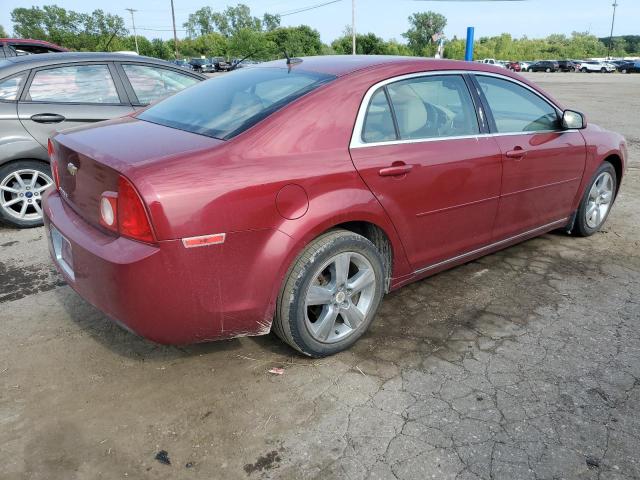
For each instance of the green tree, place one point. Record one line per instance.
(70, 29)
(296, 41)
(366, 44)
(3, 34)
(423, 26)
(270, 22)
(200, 22)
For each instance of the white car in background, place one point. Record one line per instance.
(493, 61)
(594, 66)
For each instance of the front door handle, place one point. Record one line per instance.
(395, 170)
(516, 153)
(47, 118)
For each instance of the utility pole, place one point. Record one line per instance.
(135, 36)
(613, 21)
(175, 36)
(353, 27)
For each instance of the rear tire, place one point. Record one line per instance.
(331, 294)
(548, 70)
(596, 202)
(584, 70)
(22, 184)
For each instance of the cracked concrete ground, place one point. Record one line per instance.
(523, 364)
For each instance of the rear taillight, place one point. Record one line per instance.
(54, 163)
(133, 221)
(124, 212)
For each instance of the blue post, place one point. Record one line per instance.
(468, 54)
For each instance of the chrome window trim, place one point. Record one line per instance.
(356, 134)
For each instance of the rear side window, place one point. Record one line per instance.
(225, 106)
(517, 109)
(378, 123)
(9, 87)
(433, 106)
(74, 84)
(153, 83)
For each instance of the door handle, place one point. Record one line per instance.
(516, 153)
(47, 118)
(395, 170)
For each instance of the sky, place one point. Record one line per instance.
(386, 18)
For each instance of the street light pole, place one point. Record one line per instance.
(613, 21)
(135, 36)
(353, 27)
(175, 35)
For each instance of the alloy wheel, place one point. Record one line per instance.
(340, 297)
(599, 201)
(21, 193)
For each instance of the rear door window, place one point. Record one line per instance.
(74, 84)
(225, 106)
(151, 83)
(378, 123)
(432, 107)
(9, 87)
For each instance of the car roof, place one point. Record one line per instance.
(340, 65)
(13, 65)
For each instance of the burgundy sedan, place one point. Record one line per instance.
(293, 196)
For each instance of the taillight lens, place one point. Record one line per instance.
(124, 213)
(54, 163)
(132, 217)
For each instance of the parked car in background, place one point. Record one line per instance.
(183, 64)
(42, 94)
(202, 65)
(629, 67)
(27, 46)
(524, 66)
(492, 61)
(292, 196)
(221, 64)
(543, 66)
(595, 66)
(514, 66)
(241, 63)
(567, 66)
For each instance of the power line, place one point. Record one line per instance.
(286, 13)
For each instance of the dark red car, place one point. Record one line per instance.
(514, 66)
(293, 196)
(10, 47)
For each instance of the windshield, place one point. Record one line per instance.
(225, 106)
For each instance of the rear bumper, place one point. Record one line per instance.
(165, 292)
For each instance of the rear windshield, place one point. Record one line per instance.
(229, 104)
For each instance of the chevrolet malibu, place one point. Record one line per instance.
(293, 195)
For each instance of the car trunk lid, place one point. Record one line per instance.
(91, 159)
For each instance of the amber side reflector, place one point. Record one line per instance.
(204, 240)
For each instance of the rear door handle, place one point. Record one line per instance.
(516, 153)
(47, 118)
(395, 170)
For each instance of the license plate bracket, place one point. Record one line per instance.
(62, 251)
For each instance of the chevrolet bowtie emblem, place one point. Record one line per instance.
(72, 169)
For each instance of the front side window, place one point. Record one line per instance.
(432, 107)
(9, 87)
(517, 109)
(74, 84)
(378, 122)
(153, 83)
(225, 106)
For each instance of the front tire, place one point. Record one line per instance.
(22, 184)
(331, 294)
(584, 70)
(597, 201)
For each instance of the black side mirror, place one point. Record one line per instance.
(572, 120)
